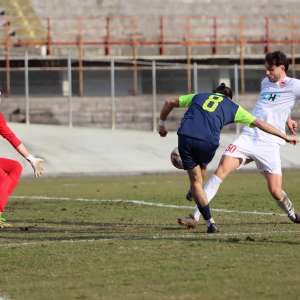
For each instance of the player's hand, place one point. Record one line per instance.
(162, 130)
(292, 139)
(292, 125)
(37, 165)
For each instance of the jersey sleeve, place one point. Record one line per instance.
(7, 133)
(186, 100)
(244, 117)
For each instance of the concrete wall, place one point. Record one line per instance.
(147, 26)
(64, 8)
(131, 112)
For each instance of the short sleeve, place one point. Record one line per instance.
(186, 100)
(244, 117)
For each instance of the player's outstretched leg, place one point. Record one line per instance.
(210, 188)
(200, 198)
(274, 182)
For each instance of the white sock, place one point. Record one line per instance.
(287, 206)
(210, 221)
(211, 187)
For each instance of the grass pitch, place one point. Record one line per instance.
(117, 238)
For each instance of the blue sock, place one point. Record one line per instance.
(205, 211)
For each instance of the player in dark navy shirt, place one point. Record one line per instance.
(199, 135)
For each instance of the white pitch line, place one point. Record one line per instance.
(154, 237)
(145, 203)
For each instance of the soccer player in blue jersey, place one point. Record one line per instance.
(278, 95)
(199, 135)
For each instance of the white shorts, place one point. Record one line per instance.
(266, 155)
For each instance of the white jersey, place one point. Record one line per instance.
(274, 106)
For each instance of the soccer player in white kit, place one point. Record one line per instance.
(278, 96)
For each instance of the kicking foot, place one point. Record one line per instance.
(296, 219)
(212, 228)
(188, 222)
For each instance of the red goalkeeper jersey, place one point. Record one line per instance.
(7, 133)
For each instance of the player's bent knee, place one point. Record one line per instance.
(223, 171)
(227, 165)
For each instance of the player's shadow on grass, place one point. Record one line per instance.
(83, 225)
(170, 227)
(70, 227)
(201, 238)
(89, 231)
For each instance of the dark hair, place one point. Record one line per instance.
(223, 89)
(277, 58)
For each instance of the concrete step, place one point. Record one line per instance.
(131, 112)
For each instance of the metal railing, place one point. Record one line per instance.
(111, 69)
(187, 37)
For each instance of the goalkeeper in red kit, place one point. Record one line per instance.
(10, 170)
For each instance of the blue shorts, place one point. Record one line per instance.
(194, 152)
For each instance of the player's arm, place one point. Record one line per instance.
(292, 139)
(291, 124)
(9, 135)
(169, 105)
(246, 118)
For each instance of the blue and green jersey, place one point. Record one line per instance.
(208, 113)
